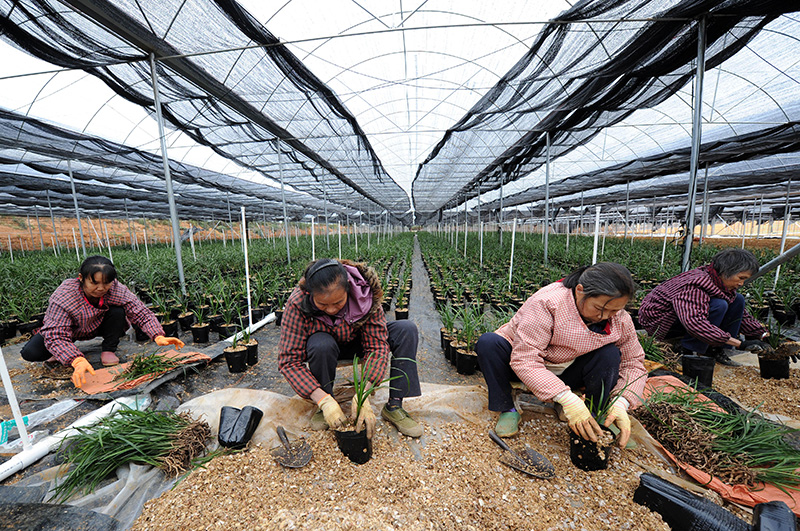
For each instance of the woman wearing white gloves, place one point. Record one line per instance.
(571, 334)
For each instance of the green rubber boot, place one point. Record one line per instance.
(507, 424)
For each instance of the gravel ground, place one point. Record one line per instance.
(458, 484)
(745, 384)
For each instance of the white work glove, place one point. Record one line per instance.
(334, 416)
(579, 418)
(618, 414)
(365, 417)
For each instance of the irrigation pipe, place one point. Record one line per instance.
(29, 456)
(252, 328)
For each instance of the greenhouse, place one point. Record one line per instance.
(399, 265)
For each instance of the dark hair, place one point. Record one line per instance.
(98, 264)
(604, 278)
(730, 262)
(318, 277)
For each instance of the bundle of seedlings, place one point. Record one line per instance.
(738, 448)
(164, 439)
(149, 364)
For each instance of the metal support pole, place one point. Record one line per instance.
(313, 241)
(580, 232)
(75, 241)
(760, 208)
(776, 262)
(596, 232)
(173, 210)
(340, 239)
(12, 401)
(30, 229)
(786, 219)
(465, 228)
(664, 245)
(130, 230)
(501, 212)
(108, 242)
(696, 135)
(547, 198)
(77, 211)
(53, 221)
(327, 228)
(627, 208)
(191, 240)
(744, 225)
(146, 250)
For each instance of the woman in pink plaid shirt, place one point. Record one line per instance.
(573, 333)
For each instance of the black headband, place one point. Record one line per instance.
(316, 268)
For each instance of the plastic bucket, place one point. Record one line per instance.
(699, 368)
(355, 445)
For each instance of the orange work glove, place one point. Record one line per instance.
(162, 341)
(81, 365)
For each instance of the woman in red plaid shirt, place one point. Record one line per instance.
(573, 333)
(702, 308)
(335, 313)
(94, 304)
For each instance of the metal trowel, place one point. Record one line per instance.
(291, 454)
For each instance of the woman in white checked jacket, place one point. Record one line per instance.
(571, 334)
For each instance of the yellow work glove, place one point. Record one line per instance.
(81, 365)
(334, 416)
(365, 417)
(579, 418)
(618, 414)
(163, 341)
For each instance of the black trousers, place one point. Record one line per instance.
(597, 371)
(323, 352)
(112, 328)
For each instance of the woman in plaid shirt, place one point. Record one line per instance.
(94, 304)
(573, 333)
(335, 313)
(701, 306)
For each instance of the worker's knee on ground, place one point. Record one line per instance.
(486, 344)
(321, 344)
(34, 349)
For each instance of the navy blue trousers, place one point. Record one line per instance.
(727, 316)
(323, 353)
(597, 371)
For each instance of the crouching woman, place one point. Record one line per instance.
(335, 313)
(571, 334)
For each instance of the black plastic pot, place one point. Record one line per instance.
(8, 329)
(215, 321)
(186, 320)
(401, 314)
(140, 334)
(170, 328)
(355, 445)
(227, 330)
(257, 313)
(784, 317)
(29, 327)
(466, 361)
(699, 368)
(265, 309)
(252, 352)
(682, 509)
(236, 358)
(588, 455)
(236, 426)
(774, 369)
(278, 317)
(454, 346)
(444, 337)
(773, 516)
(200, 333)
(386, 304)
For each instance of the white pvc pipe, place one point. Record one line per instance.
(27, 457)
(481, 243)
(12, 400)
(252, 328)
(247, 272)
(340, 239)
(511, 265)
(146, 251)
(596, 233)
(108, 243)
(465, 229)
(75, 241)
(313, 243)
